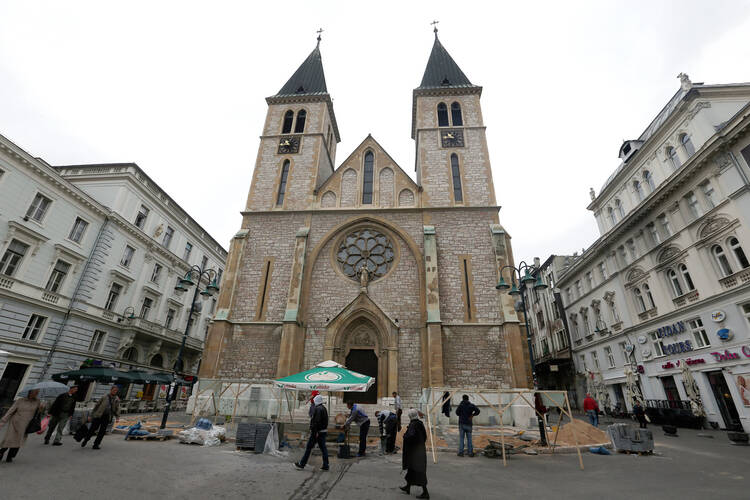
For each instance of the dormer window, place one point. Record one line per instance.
(626, 149)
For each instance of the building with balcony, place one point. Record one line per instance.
(550, 337)
(666, 287)
(89, 259)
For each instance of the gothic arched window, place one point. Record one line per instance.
(442, 111)
(456, 117)
(639, 302)
(299, 126)
(721, 260)
(367, 179)
(286, 128)
(456, 173)
(282, 183)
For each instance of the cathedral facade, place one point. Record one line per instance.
(361, 264)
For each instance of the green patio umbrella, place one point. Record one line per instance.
(98, 374)
(150, 378)
(327, 376)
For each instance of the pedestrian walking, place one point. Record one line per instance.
(106, 408)
(591, 408)
(359, 417)
(18, 417)
(414, 459)
(466, 412)
(399, 409)
(388, 426)
(60, 412)
(318, 433)
(640, 414)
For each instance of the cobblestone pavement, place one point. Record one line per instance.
(687, 466)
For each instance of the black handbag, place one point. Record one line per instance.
(35, 424)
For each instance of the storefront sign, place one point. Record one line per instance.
(726, 355)
(689, 361)
(718, 315)
(669, 330)
(678, 347)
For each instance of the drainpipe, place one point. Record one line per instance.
(76, 292)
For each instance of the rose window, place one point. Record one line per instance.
(368, 248)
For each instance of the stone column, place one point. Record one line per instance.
(434, 325)
(292, 347)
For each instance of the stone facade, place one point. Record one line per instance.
(430, 315)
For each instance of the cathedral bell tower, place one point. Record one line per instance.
(298, 145)
(452, 161)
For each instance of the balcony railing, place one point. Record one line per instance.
(33, 292)
(161, 331)
(685, 298)
(735, 279)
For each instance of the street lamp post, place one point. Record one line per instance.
(194, 273)
(525, 280)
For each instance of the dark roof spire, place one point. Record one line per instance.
(309, 78)
(442, 71)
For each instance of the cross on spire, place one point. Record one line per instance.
(320, 30)
(434, 24)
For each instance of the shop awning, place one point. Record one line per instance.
(96, 374)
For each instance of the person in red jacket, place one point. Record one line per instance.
(591, 409)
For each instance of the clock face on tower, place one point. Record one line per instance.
(288, 145)
(452, 138)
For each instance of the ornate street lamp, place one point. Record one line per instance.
(198, 274)
(526, 281)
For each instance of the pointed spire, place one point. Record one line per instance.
(309, 78)
(442, 71)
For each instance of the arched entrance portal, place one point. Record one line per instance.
(364, 339)
(363, 361)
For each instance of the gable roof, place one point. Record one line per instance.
(442, 71)
(360, 147)
(308, 79)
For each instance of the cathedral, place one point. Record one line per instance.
(362, 264)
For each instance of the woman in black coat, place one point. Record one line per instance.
(414, 460)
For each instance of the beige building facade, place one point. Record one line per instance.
(361, 264)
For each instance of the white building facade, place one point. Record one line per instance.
(89, 258)
(667, 285)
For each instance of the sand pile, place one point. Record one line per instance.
(586, 434)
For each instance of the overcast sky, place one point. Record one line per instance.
(179, 87)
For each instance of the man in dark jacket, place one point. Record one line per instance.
(359, 417)
(466, 412)
(318, 433)
(388, 426)
(59, 413)
(106, 408)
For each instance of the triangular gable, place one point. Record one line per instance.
(372, 143)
